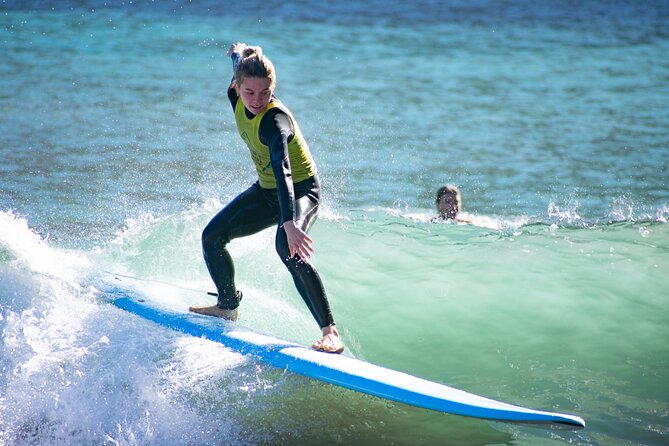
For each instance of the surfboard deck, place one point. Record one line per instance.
(335, 369)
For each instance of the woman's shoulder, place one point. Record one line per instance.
(277, 109)
(275, 120)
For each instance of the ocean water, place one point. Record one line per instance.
(117, 145)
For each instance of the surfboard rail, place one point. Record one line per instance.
(340, 370)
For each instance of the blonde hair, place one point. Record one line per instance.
(252, 63)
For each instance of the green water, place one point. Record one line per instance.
(570, 319)
(117, 146)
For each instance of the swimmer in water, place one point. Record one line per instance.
(449, 204)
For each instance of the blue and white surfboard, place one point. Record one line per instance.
(339, 370)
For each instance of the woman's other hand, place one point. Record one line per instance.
(298, 241)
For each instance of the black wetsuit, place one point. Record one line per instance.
(258, 208)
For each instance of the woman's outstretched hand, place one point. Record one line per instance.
(298, 241)
(236, 48)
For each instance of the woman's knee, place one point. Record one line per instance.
(214, 236)
(283, 250)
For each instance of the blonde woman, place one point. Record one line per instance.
(286, 194)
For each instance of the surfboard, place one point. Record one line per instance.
(340, 370)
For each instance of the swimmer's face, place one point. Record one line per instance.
(448, 205)
(256, 93)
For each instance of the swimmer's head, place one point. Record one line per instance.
(449, 201)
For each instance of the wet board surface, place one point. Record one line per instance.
(339, 370)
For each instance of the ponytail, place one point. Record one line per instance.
(252, 63)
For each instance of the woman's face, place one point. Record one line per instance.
(256, 93)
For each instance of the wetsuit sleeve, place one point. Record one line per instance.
(276, 130)
(235, 61)
(232, 93)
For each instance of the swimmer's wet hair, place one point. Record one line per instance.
(449, 189)
(252, 63)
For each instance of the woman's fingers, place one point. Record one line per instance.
(303, 248)
(303, 245)
(299, 242)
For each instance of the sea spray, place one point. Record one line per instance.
(118, 144)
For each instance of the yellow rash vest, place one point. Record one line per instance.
(302, 165)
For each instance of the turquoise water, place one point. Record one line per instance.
(118, 145)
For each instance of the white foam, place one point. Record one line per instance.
(28, 248)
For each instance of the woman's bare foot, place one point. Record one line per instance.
(330, 342)
(230, 315)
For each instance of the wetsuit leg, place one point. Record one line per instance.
(247, 214)
(305, 276)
